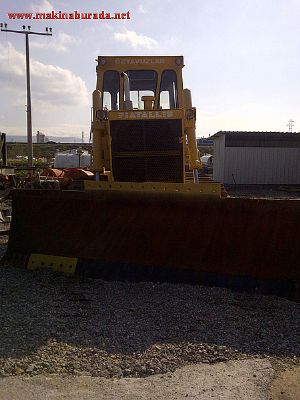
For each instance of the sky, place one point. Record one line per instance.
(242, 60)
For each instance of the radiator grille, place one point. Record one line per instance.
(147, 150)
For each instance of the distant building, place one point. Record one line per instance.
(205, 141)
(260, 158)
(41, 138)
(76, 158)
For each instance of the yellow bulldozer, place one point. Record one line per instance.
(141, 217)
(148, 133)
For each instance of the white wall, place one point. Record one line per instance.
(219, 158)
(258, 165)
(71, 160)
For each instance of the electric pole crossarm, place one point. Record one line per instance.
(27, 32)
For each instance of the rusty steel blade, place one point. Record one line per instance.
(250, 238)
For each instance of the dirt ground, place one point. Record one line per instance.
(233, 380)
(287, 385)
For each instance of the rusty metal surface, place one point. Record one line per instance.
(53, 172)
(77, 173)
(243, 237)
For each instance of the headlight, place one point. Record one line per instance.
(102, 115)
(190, 113)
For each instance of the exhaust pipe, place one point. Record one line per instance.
(128, 102)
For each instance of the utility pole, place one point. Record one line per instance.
(29, 120)
(3, 147)
(290, 124)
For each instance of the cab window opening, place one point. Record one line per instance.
(168, 93)
(142, 83)
(111, 90)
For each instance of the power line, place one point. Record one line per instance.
(27, 31)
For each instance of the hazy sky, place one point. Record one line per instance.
(242, 60)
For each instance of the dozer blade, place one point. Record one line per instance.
(246, 244)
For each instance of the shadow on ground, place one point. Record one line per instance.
(129, 318)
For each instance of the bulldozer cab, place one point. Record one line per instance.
(143, 121)
(160, 78)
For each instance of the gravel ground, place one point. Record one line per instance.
(264, 191)
(50, 323)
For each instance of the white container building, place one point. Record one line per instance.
(72, 159)
(259, 158)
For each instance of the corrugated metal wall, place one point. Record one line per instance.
(219, 158)
(256, 165)
(262, 165)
